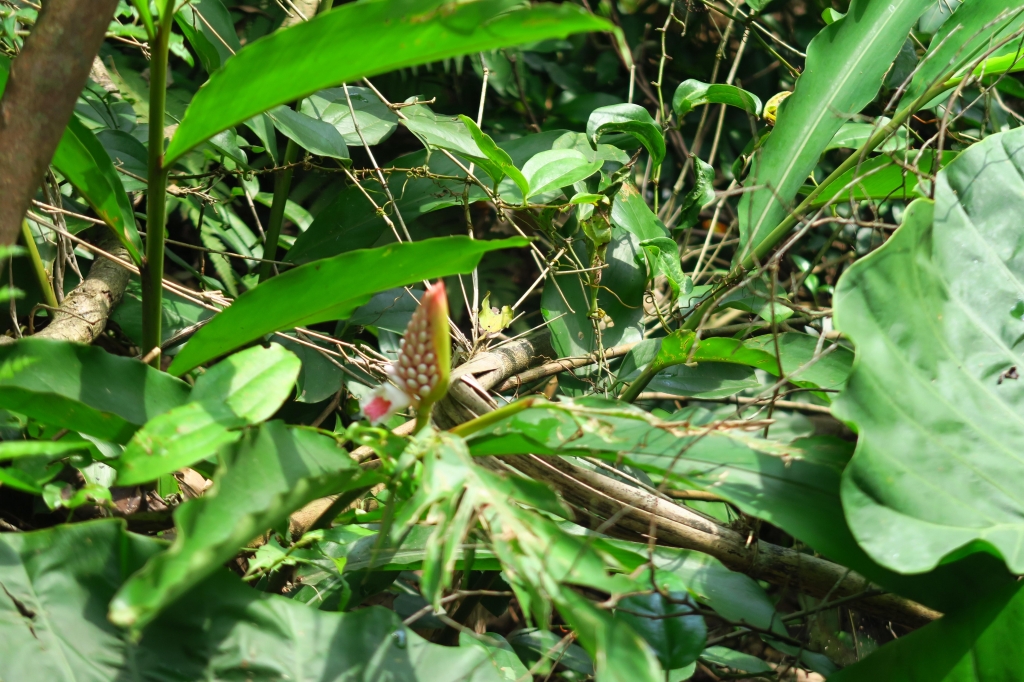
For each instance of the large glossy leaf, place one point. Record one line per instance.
(935, 316)
(351, 222)
(978, 643)
(85, 163)
(272, 472)
(84, 388)
(331, 289)
(632, 119)
(693, 93)
(551, 170)
(56, 585)
(246, 388)
(973, 29)
(845, 66)
(358, 40)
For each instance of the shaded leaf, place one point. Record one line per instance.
(272, 472)
(358, 40)
(245, 388)
(313, 135)
(53, 624)
(84, 388)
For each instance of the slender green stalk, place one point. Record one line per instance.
(37, 265)
(152, 269)
(483, 421)
(773, 238)
(282, 186)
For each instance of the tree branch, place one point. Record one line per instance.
(41, 92)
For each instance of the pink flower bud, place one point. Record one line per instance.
(421, 372)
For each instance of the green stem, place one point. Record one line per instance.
(770, 241)
(483, 421)
(152, 269)
(37, 265)
(282, 186)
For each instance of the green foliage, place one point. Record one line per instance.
(701, 473)
(845, 65)
(952, 349)
(360, 40)
(310, 294)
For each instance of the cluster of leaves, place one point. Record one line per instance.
(742, 334)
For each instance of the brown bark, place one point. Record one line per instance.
(41, 92)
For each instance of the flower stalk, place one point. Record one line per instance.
(419, 376)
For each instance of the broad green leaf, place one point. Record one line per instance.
(973, 29)
(671, 626)
(351, 222)
(54, 627)
(632, 119)
(844, 70)
(376, 122)
(330, 289)
(662, 256)
(631, 213)
(829, 371)
(700, 195)
(498, 156)
(693, 93)
(178, 313)
(500, 652)
(245, 388)
(84, 388)
(880, 178)
(977, 643)
(209, 29)
(313, 135)
(272, 472)
(552, 170)
(85, 163)
(358, 40)
(934, 395)
(440, 131)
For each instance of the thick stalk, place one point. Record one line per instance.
(282, 186)
(152, 269)
(757, 254)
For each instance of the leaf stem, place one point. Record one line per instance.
(37, 265)
(482, 422)
(152, 269)
(282, 186)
